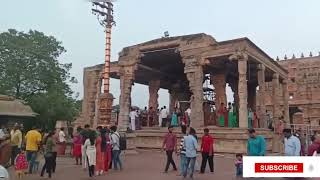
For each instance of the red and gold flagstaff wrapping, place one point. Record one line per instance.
(104, 10)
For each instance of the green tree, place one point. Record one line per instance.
(30, 70)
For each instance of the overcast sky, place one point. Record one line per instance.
(279, 27)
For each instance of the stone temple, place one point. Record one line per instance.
(181, 65)
(303, 87)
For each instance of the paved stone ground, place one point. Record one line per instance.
(147, 165)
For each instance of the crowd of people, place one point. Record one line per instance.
(187, 149)
(97, 150)
(158, 117)
(227, 116)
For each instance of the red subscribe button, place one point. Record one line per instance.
(278, 167)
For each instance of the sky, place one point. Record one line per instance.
(279, 27)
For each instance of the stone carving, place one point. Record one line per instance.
(285, 99)
(194, 74)
(275, 94)
(219, 83)
(243, 91)
(154, 87)
(126, 81)
(239, 55)
(261, 108)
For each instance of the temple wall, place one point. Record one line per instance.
(303, 88)
(91, 78)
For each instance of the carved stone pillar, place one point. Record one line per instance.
(97, 103)
(243, 92)
(194, 72)
(173, 97)
(275, 98)
(261, 108)
(285, 101)
(154, 86)
(276, 145)
(219, 83)
(126, 80)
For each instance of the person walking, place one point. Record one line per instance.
(106, 148)
(62, 143)
(48, 154)
(221, 115)
(84, 135)
(160, 118)
(188, 111)
(207, 151)
(115, 141)
(16, 141)
(90, 150)
(169, 145)
(231, 116)
(239, 165)
(182, 150)
(21, 164)
(256, 145)
(292, 146)
(133, 115)
(314, 146)
(144, 116)
(33, 140)
(99, 153)
(164, 116)
(250, 119)
(77, 146)
(174, 119)
(55, 150)
(191, 146)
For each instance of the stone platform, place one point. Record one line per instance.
(227, 140)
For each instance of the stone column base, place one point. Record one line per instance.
(105, 109)
(277, 144)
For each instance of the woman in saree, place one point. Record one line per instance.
(174, 119)
(221, 115)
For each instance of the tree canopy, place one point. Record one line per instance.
(30, 70)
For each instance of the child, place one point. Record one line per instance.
(239, 165)
(21, 164)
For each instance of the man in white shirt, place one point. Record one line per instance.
(133, 115)
(160, 118)
(62, 136)
(164, 116)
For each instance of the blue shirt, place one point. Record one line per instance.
(292, 146)
(191, 145)
(256, 146)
